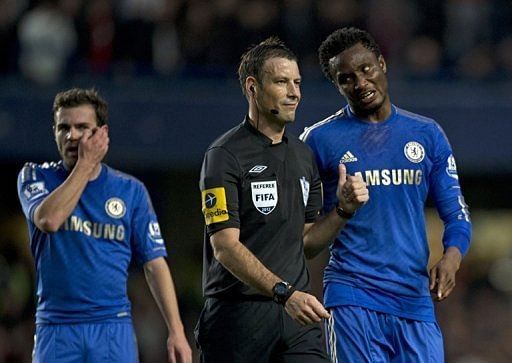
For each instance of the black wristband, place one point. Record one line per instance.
(343, 214)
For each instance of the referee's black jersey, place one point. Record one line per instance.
(266, 190)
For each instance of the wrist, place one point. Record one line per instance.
(90, 169)
(281, 292)
(453, 253)
(343, 213)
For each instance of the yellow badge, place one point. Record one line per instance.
(215, 207)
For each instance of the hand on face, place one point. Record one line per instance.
(352, 192)
(93, 145)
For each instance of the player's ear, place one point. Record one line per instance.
(382, 64)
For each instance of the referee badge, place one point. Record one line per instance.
(264, 196)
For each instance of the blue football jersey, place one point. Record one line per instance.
(379, 260)
(82, 269)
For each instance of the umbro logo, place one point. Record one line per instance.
(257, 169)
(348, 157)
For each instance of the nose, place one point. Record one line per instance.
(73, 134)
(293, 90)
(361, 81)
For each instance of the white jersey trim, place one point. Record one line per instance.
(307, 130)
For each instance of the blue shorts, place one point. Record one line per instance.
(356, 334)
(85, 343)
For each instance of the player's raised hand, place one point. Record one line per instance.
(305, 308)
(93, 145)
(352, 192)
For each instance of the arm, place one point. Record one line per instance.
(447, 196)
(352, 194)
(54, 209)
(245, 266)
(159, 279)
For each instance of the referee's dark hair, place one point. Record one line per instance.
(340, 40)
(75, 97)
(251, 62)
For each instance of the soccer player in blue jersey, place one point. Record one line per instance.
(377, 284)
(86, 223)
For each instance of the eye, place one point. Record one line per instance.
(366, 69)
(343, 79)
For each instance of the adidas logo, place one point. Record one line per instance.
(348, 157)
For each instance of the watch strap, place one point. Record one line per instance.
(343, 213)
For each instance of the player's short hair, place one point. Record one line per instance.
(252, 61)
(77, 97)
(340, 40)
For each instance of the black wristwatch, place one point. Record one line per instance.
(281, 292)
(343, 214)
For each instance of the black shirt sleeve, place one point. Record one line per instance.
(219, 184)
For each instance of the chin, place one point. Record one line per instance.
(70, 164)
(369, 108)
(289, 118)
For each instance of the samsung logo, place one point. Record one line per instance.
(94, 229)
(392, 176)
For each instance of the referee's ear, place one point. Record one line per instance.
(250, 87)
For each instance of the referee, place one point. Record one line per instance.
(261, 194)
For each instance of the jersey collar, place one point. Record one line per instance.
(261, 137)
(348, 111)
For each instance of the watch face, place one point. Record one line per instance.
(281, 289)
(281, 292)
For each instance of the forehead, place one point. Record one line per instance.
(352, 58)
(77, 114)
(281, 67)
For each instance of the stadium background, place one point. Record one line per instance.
(168, 70)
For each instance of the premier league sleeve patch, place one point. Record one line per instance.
(154, 232)
(215, 208)
(34, 190)
(451, 167)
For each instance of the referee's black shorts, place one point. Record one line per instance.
(255, 331)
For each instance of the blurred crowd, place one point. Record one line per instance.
(46, 40)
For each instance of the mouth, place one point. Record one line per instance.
(290, 106)
(367, 96)
(72, 151)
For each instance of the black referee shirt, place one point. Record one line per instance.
(266, 190)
